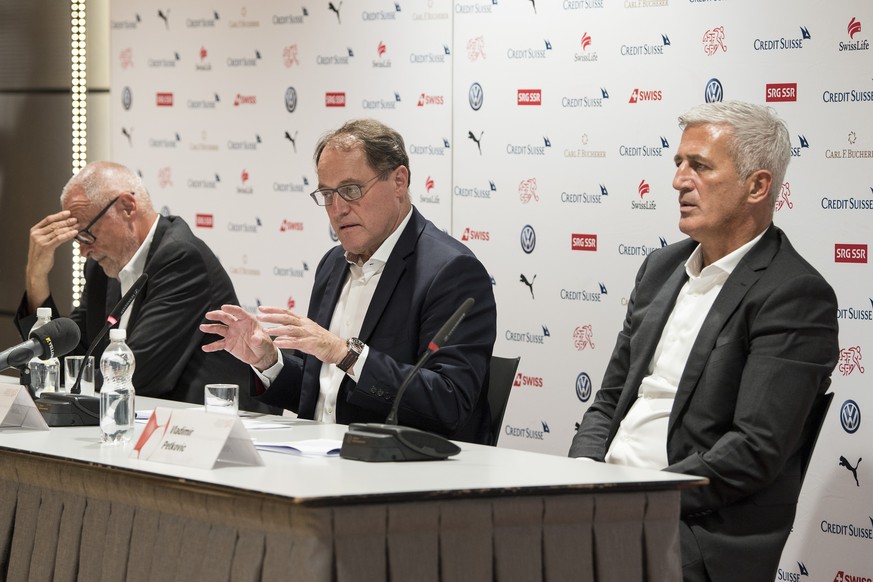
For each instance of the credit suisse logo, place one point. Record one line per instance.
(781, 92)
(783, 43)
(645, 50)
(530, 97)
(850, 253)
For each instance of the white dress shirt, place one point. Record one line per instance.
(135, 268)
(641, 440)
(348, 316)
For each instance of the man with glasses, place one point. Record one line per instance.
(377, 301)
(108, 210)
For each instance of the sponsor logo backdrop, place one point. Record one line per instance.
(541, 135)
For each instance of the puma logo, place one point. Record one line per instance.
(844, 462)
(529, 284)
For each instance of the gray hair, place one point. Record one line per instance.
(101, 181)
(383, 147)
(758, 139)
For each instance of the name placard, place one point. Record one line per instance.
(195, 438)
(17, 409)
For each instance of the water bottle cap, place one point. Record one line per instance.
(117, 334)
(44, 312)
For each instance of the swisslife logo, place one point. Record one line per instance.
(642, 95)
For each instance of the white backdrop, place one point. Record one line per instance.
(541, 134)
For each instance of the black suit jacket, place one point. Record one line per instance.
(185, 281)
(428, 275)
(765, 352)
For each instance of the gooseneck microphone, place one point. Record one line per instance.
(56, 338)
(390, 442)
(112, 319)
(75, 408)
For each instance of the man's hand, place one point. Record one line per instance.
(45, 236)
(241, 335)
(301, 333)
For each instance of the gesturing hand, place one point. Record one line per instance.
(241, 336)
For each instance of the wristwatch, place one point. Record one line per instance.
(356, 348)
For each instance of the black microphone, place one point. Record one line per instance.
(391, 442)
(113, 318)
(75, 408)
(56, 338)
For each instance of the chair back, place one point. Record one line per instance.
(816, 420)
(502, 377)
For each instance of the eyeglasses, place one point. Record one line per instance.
(348, 192)
(85, 236)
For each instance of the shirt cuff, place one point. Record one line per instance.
(355, 371)
(267, 376)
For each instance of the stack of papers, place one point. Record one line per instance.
(309, 448)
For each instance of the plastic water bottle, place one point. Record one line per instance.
(117, 395)
(45, 375)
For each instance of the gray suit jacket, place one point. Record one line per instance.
(764, 354)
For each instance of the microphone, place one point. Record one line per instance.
(75, 408)
(113, 318)
(56, 338)
(376, 442)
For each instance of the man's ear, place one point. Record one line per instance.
(128, 204)
(759, 185)
(401, 177)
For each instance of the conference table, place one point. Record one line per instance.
(72, 508)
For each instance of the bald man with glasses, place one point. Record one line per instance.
(108, 210)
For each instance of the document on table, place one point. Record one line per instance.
(306, 448)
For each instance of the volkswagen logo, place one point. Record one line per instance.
(528, 239)
(583, 387)
(476, 96)
(714, 92)
(290, 99)
(850, 416)
(126, 98)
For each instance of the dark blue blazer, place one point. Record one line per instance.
(428, 275)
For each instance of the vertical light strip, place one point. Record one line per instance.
(80, 121)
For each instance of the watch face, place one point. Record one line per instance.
(355, 345)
